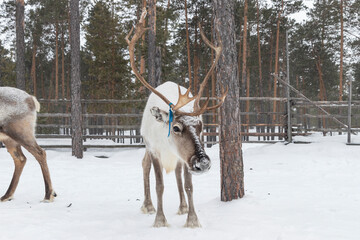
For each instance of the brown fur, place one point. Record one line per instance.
(20, 133)
(30, 102)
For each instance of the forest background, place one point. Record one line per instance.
(324, 48)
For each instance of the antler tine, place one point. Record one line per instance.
(183, 99)
(217, 50)
(139, 31)
(221, 99)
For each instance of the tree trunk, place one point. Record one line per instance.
(232, 173)
(56, 61)
(276, 71)
(188, 44)
(341, 50)
(158, 65)
(76, 121)
(259, 50)
(142, 58)
(63, 65)
(243, 78)
(196, 63)
(152, 42)
(20, 45)
(33, 69)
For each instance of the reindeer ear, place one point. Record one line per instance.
(160, 115)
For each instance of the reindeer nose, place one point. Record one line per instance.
(200, 165)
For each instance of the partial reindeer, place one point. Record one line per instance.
(17, 127)
(171, 128)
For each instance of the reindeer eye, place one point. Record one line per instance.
(176, 129)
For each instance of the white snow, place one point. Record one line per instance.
(295, 191)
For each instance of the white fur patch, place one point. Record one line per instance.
(12, 103)
(155, 133)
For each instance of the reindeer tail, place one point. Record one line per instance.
(37, 104)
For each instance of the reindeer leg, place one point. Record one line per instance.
(192, 219)
(27, 140)
(40, 156)
(160, 220)
(183, 208)
(19, 160)
(147, 206)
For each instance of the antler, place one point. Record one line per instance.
(203, 84)
(139, 31)
(183, 98)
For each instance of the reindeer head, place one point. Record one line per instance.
(185, 127)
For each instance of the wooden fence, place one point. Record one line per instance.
(118, 121)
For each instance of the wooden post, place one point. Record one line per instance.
(349, 113)
(289, 127)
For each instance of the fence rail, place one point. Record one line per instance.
(118, 121)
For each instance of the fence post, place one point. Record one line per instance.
(349, 112)
(289, 127)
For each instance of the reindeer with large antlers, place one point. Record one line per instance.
(172, 127)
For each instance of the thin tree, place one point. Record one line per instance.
(276, 71)
(20, 45)
(188, 43)
(232, 173)
(243, 78)
(259, 48)
(142, 58)
(151, 41)
(341, 49)
(261, 91)
(77, 145)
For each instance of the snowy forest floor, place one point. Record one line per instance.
(295, 191)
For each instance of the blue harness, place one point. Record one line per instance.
(171, 117)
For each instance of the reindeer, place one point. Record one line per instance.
(17, 127)
(172, 135)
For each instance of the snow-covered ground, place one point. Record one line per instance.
(295, 191)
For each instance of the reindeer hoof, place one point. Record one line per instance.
(148, 209)
(192, 222)
(183, 210)
(51, 198)
(161, 223)
(6, 199)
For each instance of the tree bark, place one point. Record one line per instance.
(63, 65)
(20, 45)
(341, 50)
(152, 42)
(259, 50)
(188, 44)
(232, 173)
(56, 61)
(76, 121)
(33, 69)
(142, 58)
(277, 58)
(243, 78)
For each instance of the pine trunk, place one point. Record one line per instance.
(76, 121)
(341, 50)
(33, 69)
(243, 78)
(20, 45)
(232, 173)
(259, 50)
(56, 61)
(188, 44)
(142, 58)
(276, 71)
(63, 66)
(152, 42)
